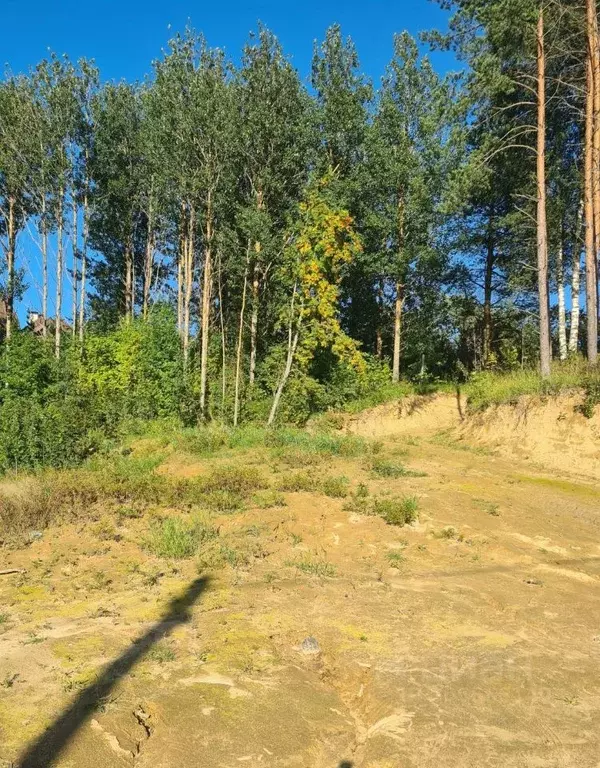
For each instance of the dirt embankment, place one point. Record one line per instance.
(551, 431)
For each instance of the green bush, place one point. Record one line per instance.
(335, 487)
(177, 539)
(397, 511)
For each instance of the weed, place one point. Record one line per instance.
(236, 480)
(319, 443)
(396, 559)
(299, 481)
(162, 653)
(396, 511)
(335, 487)
(591, 398)
(128, 513)
(296, 539)
(268, 499)
(446, 533)
(105, 530)
(99, 580)
(223, 500)
(313, 566)
(174, 538)
(219, 555)
(489, 507)
(4, 618)
(384, 468)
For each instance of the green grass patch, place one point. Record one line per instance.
(313, 566)
(383, 468)
(268, 499)
(335, 487)
(487, 389)
(173, 538)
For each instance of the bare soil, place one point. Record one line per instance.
(471, 638)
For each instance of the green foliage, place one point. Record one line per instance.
(335, 487)
(299, 481)
(384, 468)
(268, 499)
(173, 538)
(398, 512)
(487, 389)
(313, 565)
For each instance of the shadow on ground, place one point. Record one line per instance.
(52, 743)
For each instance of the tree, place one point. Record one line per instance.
(324, 241)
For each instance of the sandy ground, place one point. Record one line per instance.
(471, 638)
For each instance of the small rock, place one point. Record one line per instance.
(310, 646)
(534, 582)
(35, 535)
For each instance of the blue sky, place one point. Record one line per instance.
(124, 36)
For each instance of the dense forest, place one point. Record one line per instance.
(226, 241)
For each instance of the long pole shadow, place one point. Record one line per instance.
(52, 743)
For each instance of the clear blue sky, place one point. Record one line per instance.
(124, 36)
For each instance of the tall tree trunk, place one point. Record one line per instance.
(254, 317)
(240, 344)
(44, 226)
(291, 351)
(562, 312)
(84, 246)
(542, 228)
(223, 347)
(379, 331)
(398, 311)
(576, 286)
(148, 259)
(181, 260)
(59, 275)
(590, 237)
(255, 297)
(128, 279)
(75, 282)
(10, 266)
(205, 320)
(487, 297)
(188, 283)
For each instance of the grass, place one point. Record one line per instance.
(383, 468)
(298, 481)
(489, 507)
(176, 539)
(313, 566)
(235, 480)
(394, 511)
(223, 501)
(267, 499)
(396, 559)
(335, 487)
(488, 389)
(162, 653)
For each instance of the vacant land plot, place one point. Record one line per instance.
(314, 601)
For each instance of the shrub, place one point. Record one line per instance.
(397, 511)
(335, 487)
(268, 499)
(222, 501)
(313, 566)
(384, 468)
(174, 538)
(298, 481)
(240, 480)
